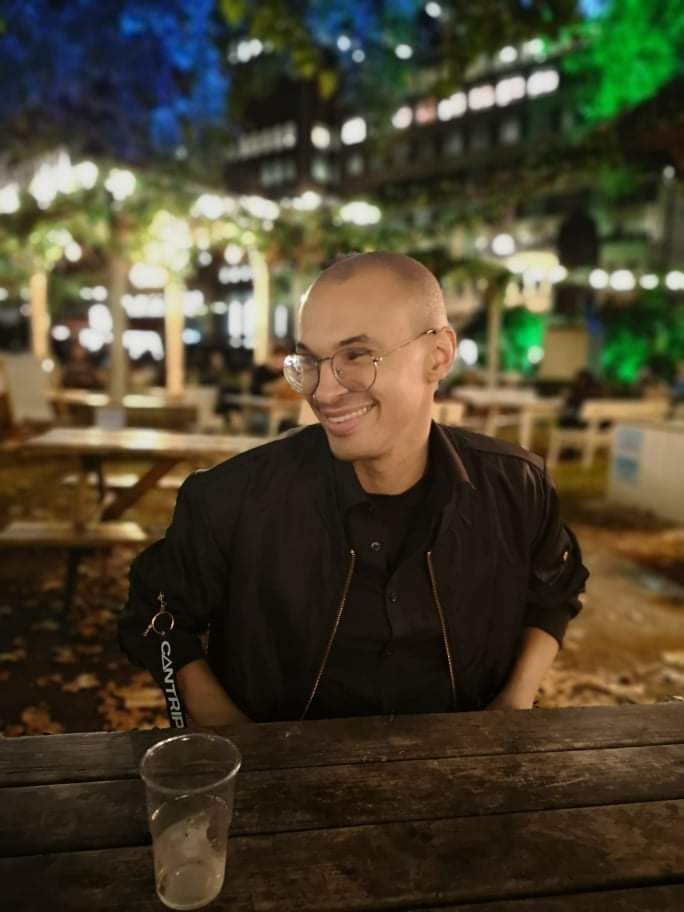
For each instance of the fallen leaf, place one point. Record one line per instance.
(14, 731)
(47, 624)
(15, 655)
(89, 649)
(84, 681)
(4, 675)
(63, 655)
(37, 721)
(46, 680)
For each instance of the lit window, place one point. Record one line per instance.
(320, 169)
(454, 143)
(355, 165)
(280, 321)
(509, 132)
(455, 106)
(353, 131)
(320, 136)
(402, 118)
(289, 135)
(542, 82)
(481, 97)
(509, 90)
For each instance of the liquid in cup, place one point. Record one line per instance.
(190, 785)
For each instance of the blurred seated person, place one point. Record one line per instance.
(267, 379)
(145, 372)
(79, 370)
(217, 372)
(583, 386)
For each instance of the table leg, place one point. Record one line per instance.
(147, 480)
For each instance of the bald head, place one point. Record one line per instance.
(419, 289)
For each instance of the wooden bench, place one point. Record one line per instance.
(76, 539)
(596, 412)
(123, 481)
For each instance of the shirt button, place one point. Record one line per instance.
(375, 546)
(393, 597)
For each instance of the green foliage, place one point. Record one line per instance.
(521, 330)
(647, 333)
(629, 53)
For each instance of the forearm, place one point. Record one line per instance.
(204, 698)
(536, 655)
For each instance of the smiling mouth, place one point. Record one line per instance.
(340, 419)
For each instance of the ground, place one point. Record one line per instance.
(65, 673)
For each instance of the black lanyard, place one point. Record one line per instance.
(163, 623)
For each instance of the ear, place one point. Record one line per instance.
(442, 354)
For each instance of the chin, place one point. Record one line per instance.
(351, 449)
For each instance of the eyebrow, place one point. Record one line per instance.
(300, 346)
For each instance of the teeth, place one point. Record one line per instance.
(355, 414)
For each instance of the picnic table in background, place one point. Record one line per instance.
(521, 408)
(96, 527)
(163, 449)
(564, 810)
(139, 409)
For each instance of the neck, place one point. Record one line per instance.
(392, 474)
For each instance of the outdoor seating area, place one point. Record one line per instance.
(341, 446)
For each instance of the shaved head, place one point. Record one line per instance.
(374, 336)
(419, 288)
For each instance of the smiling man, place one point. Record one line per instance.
(372, 563)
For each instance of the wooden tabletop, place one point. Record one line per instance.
(94, 399)
(574, 810)
(134, 442)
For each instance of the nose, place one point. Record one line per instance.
(329, 387)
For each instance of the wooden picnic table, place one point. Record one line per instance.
(570, 810)
(522, 408)
(141, 409)
(164, 449)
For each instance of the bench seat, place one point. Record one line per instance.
(66, 535)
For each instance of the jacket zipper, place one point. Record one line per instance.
(440, 612)
(326, 654)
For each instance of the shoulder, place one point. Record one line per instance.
(483, 449)
(276, 457)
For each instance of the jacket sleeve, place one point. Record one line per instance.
(190, 570)
(557, 575)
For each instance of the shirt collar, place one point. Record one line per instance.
(444, 467)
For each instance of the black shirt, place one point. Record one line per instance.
(388, 655)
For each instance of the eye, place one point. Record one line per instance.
(355, 354)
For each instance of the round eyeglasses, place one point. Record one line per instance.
(354, 367)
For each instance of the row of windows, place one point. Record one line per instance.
(354, 130)
(265, 142)
(457, 141)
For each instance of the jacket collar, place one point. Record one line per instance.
(335, 486)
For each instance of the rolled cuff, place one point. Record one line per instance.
(553, 619)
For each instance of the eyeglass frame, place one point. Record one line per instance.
(375, 361)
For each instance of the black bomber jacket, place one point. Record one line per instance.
(256, 555)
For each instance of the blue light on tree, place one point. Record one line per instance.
(128, 79)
